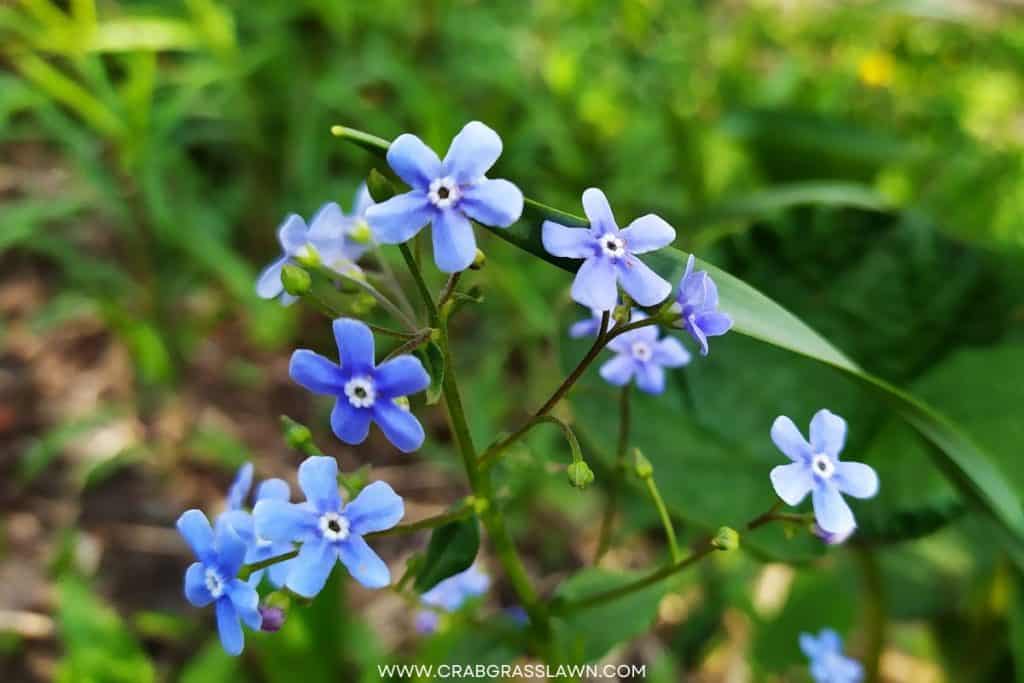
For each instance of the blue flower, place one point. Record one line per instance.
(328, 529)
(816, 469)
(609, 254)
(240, 487)
(258, 548)
(830, 538)
(447, 194)
(366, 392)
(697, 305)
(213, 579)
(330, 235)
(828, 664)
(450, 594)
(642, 355)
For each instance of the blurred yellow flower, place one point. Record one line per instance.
(875, 70)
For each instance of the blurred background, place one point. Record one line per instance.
(860, 162)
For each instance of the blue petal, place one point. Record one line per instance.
(274, 489)
(413, 161)
(230, 550)
(355, 346)
(710, 294)
(269, 286)
(426, 621)
(454, 243)
(648, 233)
(792, 482)
(363, 564)
(856, 479)
(195, 528)
(399, 425)
(698, 335)
(240, 522)
(567, 242)
(670, 353)
(595, 284)
(713, 323)
(230, 629)
(363, 201)
(831, 511)
(376, 508)
(829, 641)
(281, 522)
(195, 585)
(645, 286)
(349, 423)
(828, 433)
(311, 567)
(650, 378)
(318, 479)
(598, 211)
(493, 202)
(472, 153)
(398, 219)
(316, 373)
(618, 370)
(292, 234)
(809, 645)
(789, 440)
(401, 376)
(693, 289)
(690, 261)
(279, 572)
(327, 226)
(587, 327)
(246, 601)
(240, 487)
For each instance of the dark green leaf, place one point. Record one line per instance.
(452, 549)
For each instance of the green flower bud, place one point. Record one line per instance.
(362, 303)
(381, 189)
(580, 474)
(479, 261)
(726, 539)
(643, 467)
(296, 280)
(296, 435)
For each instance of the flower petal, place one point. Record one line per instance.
(567, 242)
(316, 373)
(279, 572)
(398, 219)
(588, 327)
(311, 567)
(599, 212)
(829, 641)
(856, 479)
(670, 353)
(363, 563)
(240, 521)
(831, 511)
(650, 378)
(246, 601)
(269, 286)
(399, 425)
(454, 242)
(596, 284)
(355, 345)
(828, 433)
(240, 487)
(282, 522)
(713, 323)
(349, 423)
(318, 479)
(809, 645)
(648, 233)
(363, 201)
(618, 370)
(792, 482)
(472, 152)
(273, 489)
(693, 289)
(230, 549)
(413, 161)
(292, 233)
(376, 508)
(196, 530)
(645, 286)
(195, 585)
(698, 335)
(493, 202)
(327, 225)
(789, 440)
(230, 629)
(401, 376)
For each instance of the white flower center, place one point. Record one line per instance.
(360, 392)
(334, 527)
(822, 466)
(612, 246)
(641, 351)
(443, 192)
(214, 583)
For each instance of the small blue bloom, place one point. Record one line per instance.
(816, 469)
(366, 392)
(258, 548)
(610, 254)
(697, 305)
(640, 354)
(328, 529)
(330, 236)
(240, 487)
(213, 579)
(450, 594)
(447, 194)
(828, 663)
(830, 538)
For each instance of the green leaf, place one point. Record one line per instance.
(452, 549)
(212, 665)
(433, 362)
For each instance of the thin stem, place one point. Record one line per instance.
(421, 285)
(604, 538)
(666, 519)
(763, 519)
(428, 523)
(874, 612)
(494, 451)
(392, 280)
(387, 331)
(580, 368)
(411, 344)
(449, 289)
(250, 569)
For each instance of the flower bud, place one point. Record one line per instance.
(643, 467)
(295, 279)
(273, 618)
(380, 188)
(479, 261)
(580, 474)
(726, 539)
(296, 435)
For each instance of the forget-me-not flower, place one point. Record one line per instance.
(365, 392)
(447, 194)
(640, 354)
(697, 306)
(816, 469)
(610, 254)
(331, 235)
(259, 548)
(328, 529)
(450, 594)
(240, 487)
(828, 663)
(213, 579)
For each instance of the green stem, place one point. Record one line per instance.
(604, 538)
(577, 372)
(666, 520)
(387, 331)
(411, 344)
(421, 285)
(874, 612)
(494, 451)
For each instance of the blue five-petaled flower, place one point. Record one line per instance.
(697, 306)
(365, 392)
(258, 548)
(213, 579)
(828, 663)
(450, 594)
(328, 529)
(610, 254)
(640, 354)
(816, 469)
(447, 194)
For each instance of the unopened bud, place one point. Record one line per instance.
(296, 280)
(726, 539)
(479, 505)
(362, 303)
(296, 435)
(479, 261)
(273, 618)
(643, 467)
(380, 188)
(580, 474)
